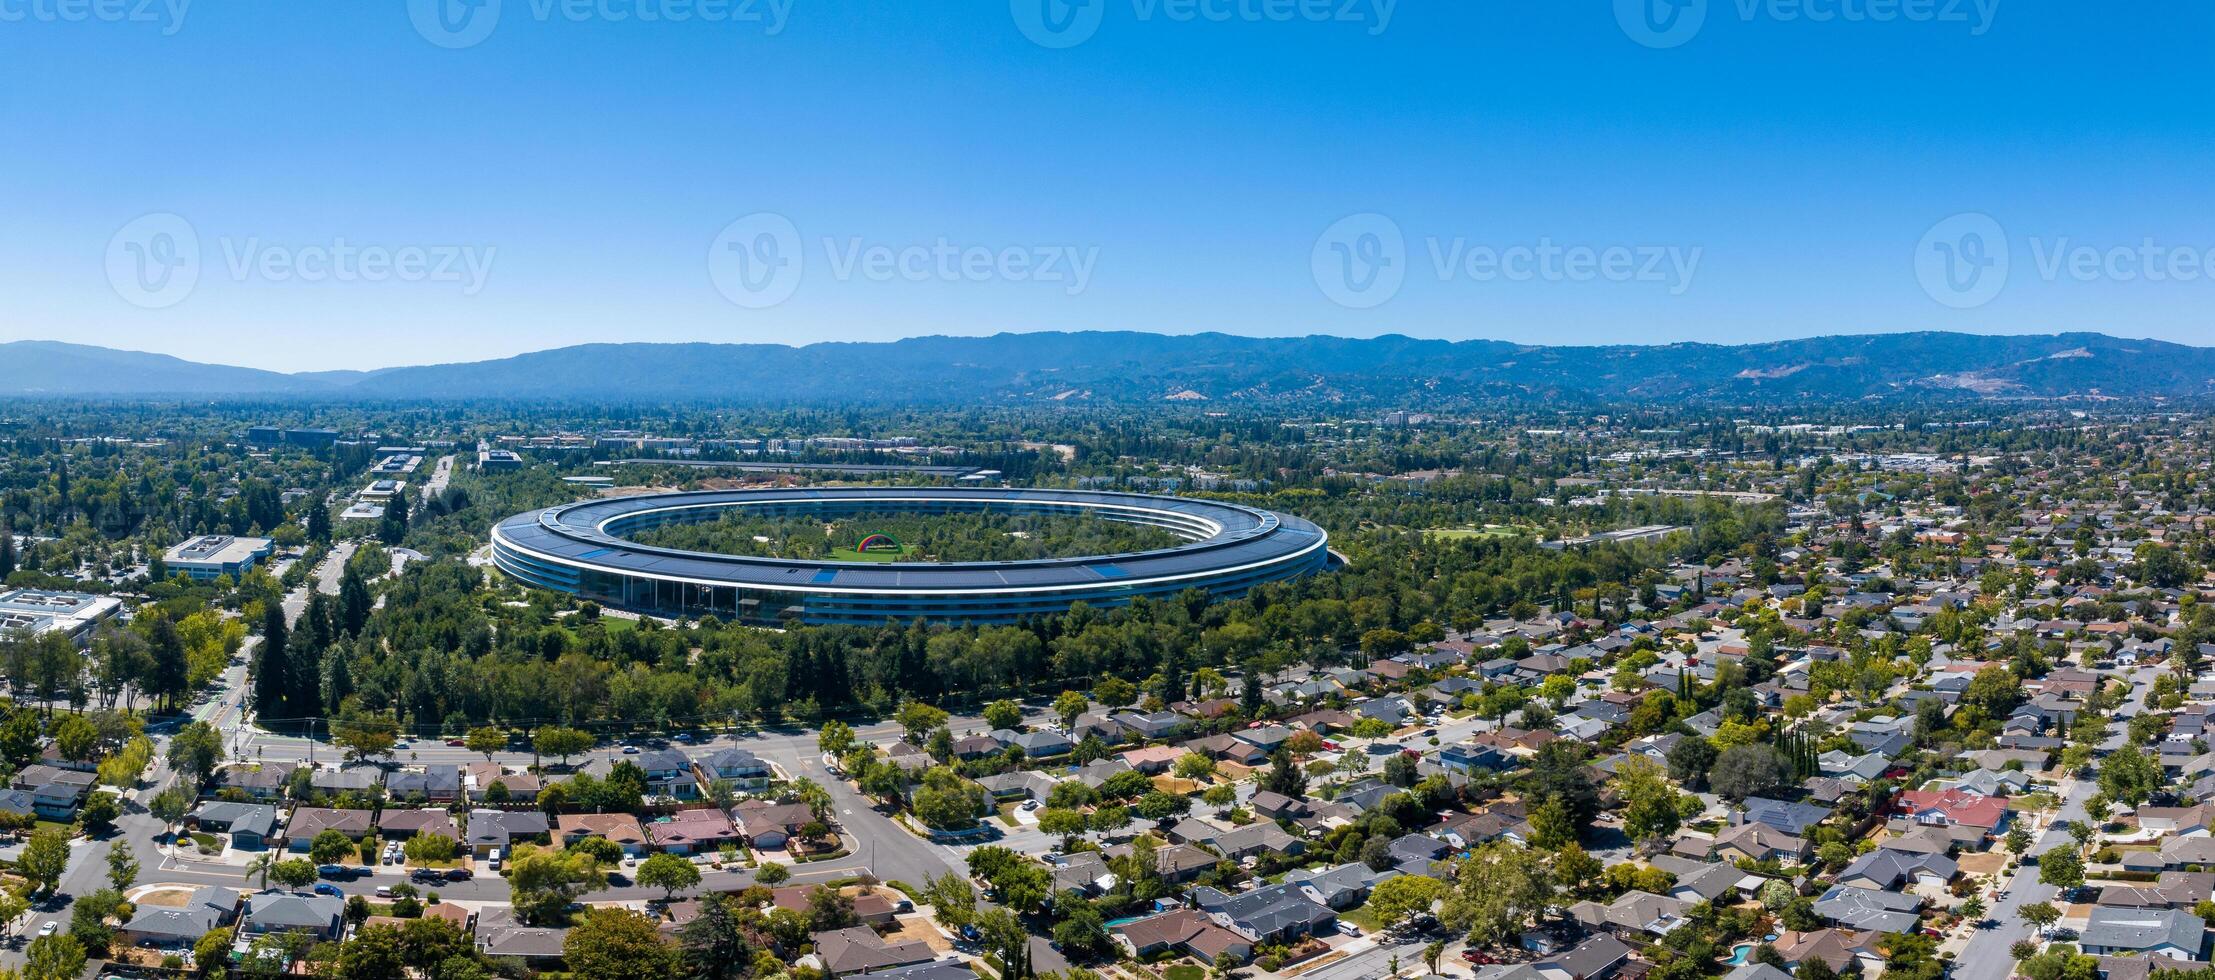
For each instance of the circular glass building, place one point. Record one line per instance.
(583, 549)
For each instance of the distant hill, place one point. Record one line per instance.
(1140, 367)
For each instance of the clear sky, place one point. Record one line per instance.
(318, 184)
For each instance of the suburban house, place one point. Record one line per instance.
(211, 907)
(491, 830)
(321, 916)
(310, 821)
(769, 826)
(621, 828)
(403, 824)
(1185, 931)
(742, 769)
(693, 831)
(2176, 934)
(251, 825)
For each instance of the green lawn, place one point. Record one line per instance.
(849, 554)
(1184, 971)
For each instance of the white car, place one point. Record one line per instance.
(48, 929)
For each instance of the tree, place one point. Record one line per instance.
(122, 868)
(1551, 825)
(1284, 777)
(330, 847)
(2040, 914)
(99, 813)
(619, 944)
(12, 907)
(952, 899)
(1574, 867)
(1068, 706)
(715, 945)
(2063, 869)
(2129, 775)
(76, 738)
(55, 957)
(560, 742)
(1691, 758)
(919, 720)
(1746, 770)
(365, 736)
(835, 739)
(1971, 909)
(431, 848)
(293, 873)
(1065, 824)
(542, 883)
(1649, 802)
(273, 681)
(44, 858)
(1559, 773)
(1396, 898)
(773, 874)
(196, 751)
(1994, 690)
(1195, 766)
(1501, 886)
(668, 872)
(486, 740)
(1003, 714)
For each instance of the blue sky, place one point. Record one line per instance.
(575, 173)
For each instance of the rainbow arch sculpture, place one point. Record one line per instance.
(877, 542)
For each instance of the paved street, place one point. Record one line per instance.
(1986, 957)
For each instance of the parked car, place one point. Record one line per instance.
(49, 928)
(630, 750)
(426, 875)
(458, 874)
(331, 871)
(326, 888)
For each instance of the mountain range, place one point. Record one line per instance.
(1124, 368)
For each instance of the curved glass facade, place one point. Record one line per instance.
(580, 549)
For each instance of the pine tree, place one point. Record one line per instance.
(353, 601)
(7, 550)
(319, 522)
(273, 683)
(338, 679)
(1250, 701)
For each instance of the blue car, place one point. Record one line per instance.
(326, 888)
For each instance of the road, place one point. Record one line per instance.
(441, 473)
(1986, 956)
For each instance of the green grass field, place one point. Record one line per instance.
(849, 554)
